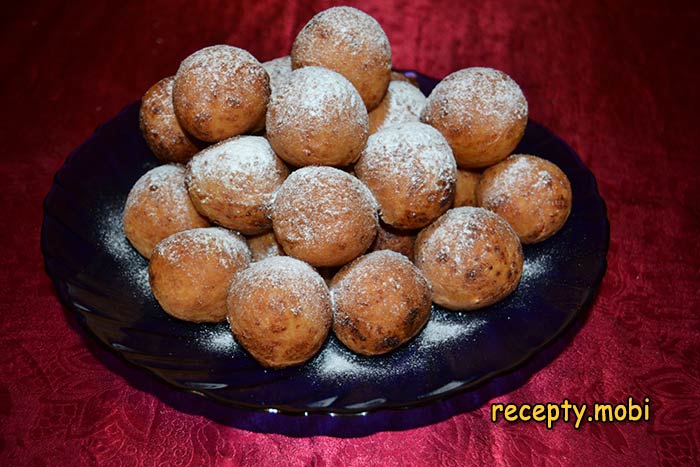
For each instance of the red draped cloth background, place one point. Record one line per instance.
(617, 80)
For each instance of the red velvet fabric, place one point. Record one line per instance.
(616, 80)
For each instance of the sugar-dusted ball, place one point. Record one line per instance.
(317, 118)
(158, 206)
(471, 257)
(324, 216)
(380, 301)
(411, 172)
(278, 70)
(234, 182)
(219, 92)
(191, 272)
(531, 193)
(403, 102)
(279, 310)
(400, 241)
(264, 246)
(160, 128)
(465, 189)
(481, 111)
(350, 42)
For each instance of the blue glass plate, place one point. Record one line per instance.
(105, 282)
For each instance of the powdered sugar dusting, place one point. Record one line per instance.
(157, 206)
(518, 175)
(217, 339)
(517, 170)
(312, 99)
(443, 330)
(410, 147)
(347, 29)
(531, 193)
(481, 96)
(384, 270)
(163, 132)
(300, 283)
(162, 97)
(457, 232)
(403, 102)
(279, 70)
(544, 178)
(164, 188)
(535, 267)
(223, 75)
(244, 168)
(212, 67)
(113, 242)
(228, 247)
(413, 159)
(337, 361)
(312, 201)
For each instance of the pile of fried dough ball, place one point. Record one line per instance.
(322, 190)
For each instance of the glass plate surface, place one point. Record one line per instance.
(105, 283)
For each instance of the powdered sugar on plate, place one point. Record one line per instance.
(535, 267)
(444, 329)
(112, 240)
(217, 339)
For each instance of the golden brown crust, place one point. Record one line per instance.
(191, 272)
(279, 310)
(402, 102)
(400, 241)
(380, 301)
(264, 246)
(471, 257)
(168, 141)
(465, 189)
(410, 170)
(324, 216)
(377, 116)
(482, 112)
(350, 42)
(158, 206)
(317, 118)
(234, 182)
(278, 70)
(531, 193)
(220, 92)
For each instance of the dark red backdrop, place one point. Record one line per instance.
(617, 80)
